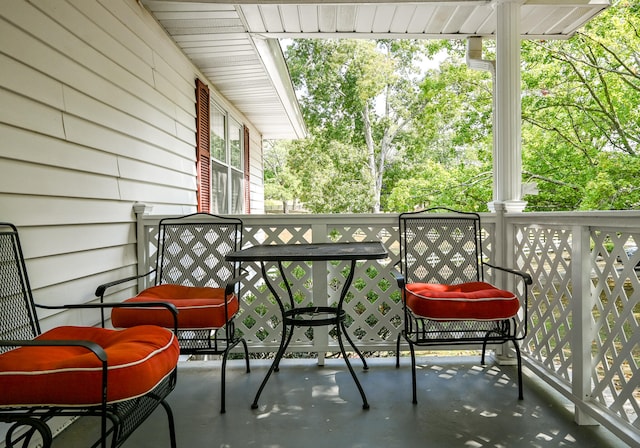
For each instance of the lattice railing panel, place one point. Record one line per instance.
(260, 320)
(616, 347)
(545, 253)
(544, 245)
(488, 236)
(373, 305)
(610, 308)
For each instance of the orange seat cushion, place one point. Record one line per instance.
(466, 301)
(197, 308)
(138, 360)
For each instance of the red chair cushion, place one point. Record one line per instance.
(197, 308)
(138, 360)
(466, 301)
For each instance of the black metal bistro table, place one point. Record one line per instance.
(311, 316)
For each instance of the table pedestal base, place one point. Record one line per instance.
(310, 316)
(315, 316)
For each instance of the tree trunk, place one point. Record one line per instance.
(376, 177)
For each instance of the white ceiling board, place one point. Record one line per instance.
(226, 38)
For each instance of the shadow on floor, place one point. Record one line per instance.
(460, 404)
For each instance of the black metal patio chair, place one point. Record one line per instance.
(445, 298)
(192, 274)
(118, 376)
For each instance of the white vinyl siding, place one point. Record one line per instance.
(256, 174)
(98, 113)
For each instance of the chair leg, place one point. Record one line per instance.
(114, 438)
(519, 357)
(36, 425)
(485, 340)
(398, 350)
(246, 353)
(484, 350)
(115, 429)
(223, 381)
(413, 373)
(172, 426)
(414, 386)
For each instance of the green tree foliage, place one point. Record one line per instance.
(581, 121)
(362, 94)
(280, 182)
(580, 124)
(333, 176)
(447, 160)
(386, 137)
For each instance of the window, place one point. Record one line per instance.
(222, 158)
(227, 169)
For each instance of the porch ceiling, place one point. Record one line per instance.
(234, 42)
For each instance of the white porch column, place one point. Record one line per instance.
(507, 151)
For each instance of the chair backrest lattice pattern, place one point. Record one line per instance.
(17, 312)
(192, 250)
(443, 248)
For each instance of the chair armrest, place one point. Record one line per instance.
(399, 276)
(231, 284)
(101, 289)
(525, 306)
(169, 306)
(526, 277)
(90, 346)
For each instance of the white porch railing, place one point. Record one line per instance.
(583, 306)
(584, 337)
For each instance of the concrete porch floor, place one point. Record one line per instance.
(460, 404)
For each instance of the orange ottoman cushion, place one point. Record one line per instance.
(197, 307)
(138, 360)
(466, 301)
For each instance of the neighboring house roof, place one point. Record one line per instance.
(234, 43)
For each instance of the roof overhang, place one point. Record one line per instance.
(234, 43)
